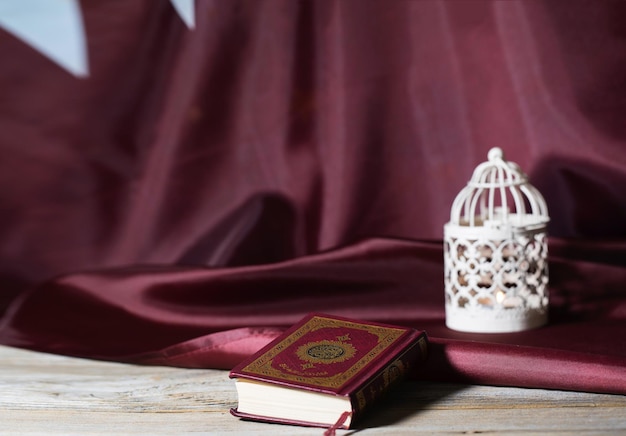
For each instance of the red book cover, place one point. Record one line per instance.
(336, 356)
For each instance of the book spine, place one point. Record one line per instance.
(397, 370)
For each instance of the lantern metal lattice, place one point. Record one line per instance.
(495, 252)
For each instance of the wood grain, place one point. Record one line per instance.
(43, 394)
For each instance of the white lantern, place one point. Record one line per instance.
(495, 252)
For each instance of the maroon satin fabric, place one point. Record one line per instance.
(209, 317)
(205, 188)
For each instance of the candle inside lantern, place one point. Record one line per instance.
(500, 296)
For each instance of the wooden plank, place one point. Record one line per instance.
(55, 395)
(442, 408)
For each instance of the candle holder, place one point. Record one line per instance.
(495, 252)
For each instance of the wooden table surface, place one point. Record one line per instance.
(46, 394)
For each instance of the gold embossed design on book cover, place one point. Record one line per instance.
(324, 352)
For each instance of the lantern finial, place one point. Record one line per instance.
(495, 153)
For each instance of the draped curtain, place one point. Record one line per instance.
(203, 188)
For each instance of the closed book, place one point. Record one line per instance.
(325, 371)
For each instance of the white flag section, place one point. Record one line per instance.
(53, 27)
(186, 10)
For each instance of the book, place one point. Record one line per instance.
(325, 371)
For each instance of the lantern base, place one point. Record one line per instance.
(490, 321)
